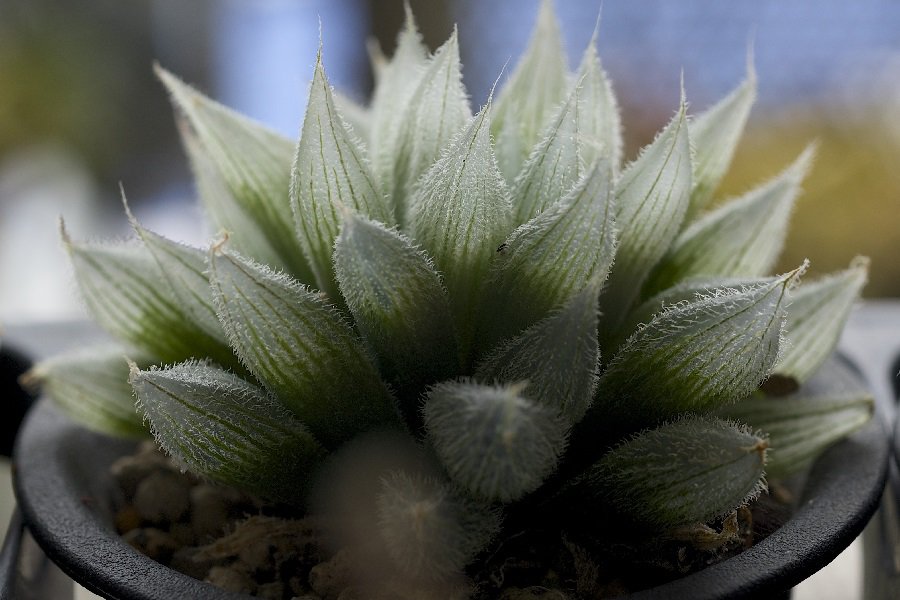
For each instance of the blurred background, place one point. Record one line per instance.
(80, 110)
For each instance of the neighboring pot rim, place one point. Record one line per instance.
(61, 485)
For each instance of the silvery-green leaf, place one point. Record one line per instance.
(715, 134)
(394, 86)
(224, 428)
(599, 124)
(741, 238)
(460, 214)
(685, 291)
(493, 441)
(816, 318)
(438, 109)
(300, 348)
(398, 305)
(128, 294)
(651, 199)
(91, 386)
(553, 166)
(536, 86)
(558, 356)
(184, 267)
(799, 428)
(249, 162)
(431, 532)
(330, 175)
(699, 355)
(550, 258)
(693, 469)
(357, 118)
(220, 205)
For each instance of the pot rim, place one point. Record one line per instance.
(842, 491)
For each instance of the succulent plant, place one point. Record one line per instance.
(546, 325)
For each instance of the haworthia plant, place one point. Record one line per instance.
(543, 326)
(694, 469)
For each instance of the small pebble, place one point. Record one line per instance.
(188, 561)
(231, 580)
(155, 543)
(163, 497)
(210, 509)
(273, 590)
(128, 518)
(328, 579)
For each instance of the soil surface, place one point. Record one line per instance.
(236, 541)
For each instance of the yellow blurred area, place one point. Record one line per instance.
(851, 199)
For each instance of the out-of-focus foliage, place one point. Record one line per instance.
(851, 198)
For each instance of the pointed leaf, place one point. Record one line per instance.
(220, 206)
(552, 167)
(252, 163)
(219, 426)
(460, 214)
(357, 118)
(697, 356)
(536, 86)
(651, 198)
(800, 428)
(599, 124)
(431, 532)
(816, 318)
(91, 386)
(437, 111)
(127, 294)
(394, 87)
(398, 304)
(299, 348)
(558, 356)
(550, 258)
(742, 238)
(715, 134)
(330, 175)
(694, 469)
(494, 442)
(684, 292)
(184, 268)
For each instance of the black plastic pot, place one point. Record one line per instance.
(65, 497)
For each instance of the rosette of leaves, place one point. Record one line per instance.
(538, 316)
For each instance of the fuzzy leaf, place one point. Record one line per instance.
(715, 134)
(800, 428)
(651, 199)
(395, 84)
(438, 109)
(430, 531)
(398, 304)
(222, 427)
(742, 238)
(698, 355)
(127, 294)
(694, 469)
(553, 167)
(300, 348)
(460, 214)
(558, 356)
(184, 268)
(251, 163)
(329, 177)
(357, 118)
(494, 442)
(91, 386)
(550, 258)
(816, 318)
(537, 85)
(599, 124)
